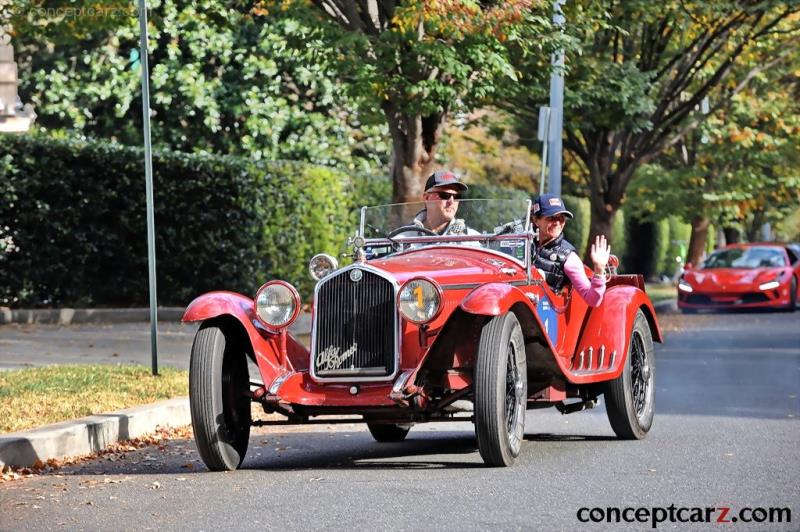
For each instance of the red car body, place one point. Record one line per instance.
(752, 275)
(571, 352)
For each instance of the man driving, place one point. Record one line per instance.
(443, 190)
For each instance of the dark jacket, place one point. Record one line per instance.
(550, 258)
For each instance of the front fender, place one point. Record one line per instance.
(603, 345)
(265, 344)
(495, 299)
(214, 304)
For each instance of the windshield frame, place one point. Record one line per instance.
(451, 240)
(775, 250)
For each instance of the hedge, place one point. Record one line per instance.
(76, 227)
(577, 229)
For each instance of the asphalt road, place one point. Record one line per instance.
(726, 434)
(27, 345)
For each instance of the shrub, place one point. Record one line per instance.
(577, 230)
(76, 214)
(619, 241)
(646, 246)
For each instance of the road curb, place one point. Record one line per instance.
(90, 434)
(69, 316)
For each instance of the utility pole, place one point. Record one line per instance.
(148, 174)
(556, 106)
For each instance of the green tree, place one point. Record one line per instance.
(415, 62)
(644, 69)
(223, 79)
(740, 168)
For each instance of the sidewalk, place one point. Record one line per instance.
(95, 433)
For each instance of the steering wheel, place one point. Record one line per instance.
(415, 228)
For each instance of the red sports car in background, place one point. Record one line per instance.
(742, 276)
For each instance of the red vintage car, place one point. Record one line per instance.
(423, 328)
(742, 276)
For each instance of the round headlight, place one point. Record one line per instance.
(321, 265)
(277, 304)
(420, 300)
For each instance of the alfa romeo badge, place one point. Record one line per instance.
(356, 275)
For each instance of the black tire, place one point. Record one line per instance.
(219, 400)
(630, 398)
(792, 306)
(501, 390)
(388, 432)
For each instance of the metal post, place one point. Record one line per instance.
(543, 134)
(557, 106)
(148, 173)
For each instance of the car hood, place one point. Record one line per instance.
(730, 278)
(450, 265)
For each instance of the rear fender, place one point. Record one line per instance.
(265, 344)
(603, 344)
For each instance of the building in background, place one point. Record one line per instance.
(14, 117)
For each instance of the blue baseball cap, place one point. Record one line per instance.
(550, 205)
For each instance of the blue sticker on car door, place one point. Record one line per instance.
(548, 317)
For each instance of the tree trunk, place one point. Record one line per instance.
(732, 235)
(697, 242)
(414, 142)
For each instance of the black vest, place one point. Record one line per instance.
(550, 258)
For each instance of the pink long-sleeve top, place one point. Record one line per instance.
(591, 291)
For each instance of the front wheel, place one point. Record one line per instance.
(630, 398)
(501, 390)
(219, 386)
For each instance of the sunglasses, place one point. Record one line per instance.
(447, 195)
(560, 218)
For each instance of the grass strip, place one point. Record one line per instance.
(33, 397)
(661, 292)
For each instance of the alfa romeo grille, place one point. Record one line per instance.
(355, 326)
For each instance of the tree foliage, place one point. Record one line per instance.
(414, 62)
(223, 80)
(644, 70)
(740, 168)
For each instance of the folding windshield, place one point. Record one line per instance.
(749, 258)
(498, 224)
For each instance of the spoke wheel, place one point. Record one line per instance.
(501, 390)
(219, 386)
(630, 398)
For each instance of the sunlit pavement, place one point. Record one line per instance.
(726, 434)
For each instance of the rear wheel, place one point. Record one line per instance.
(630, 398)
(219, 399)
(388, 432)
(501, 390)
